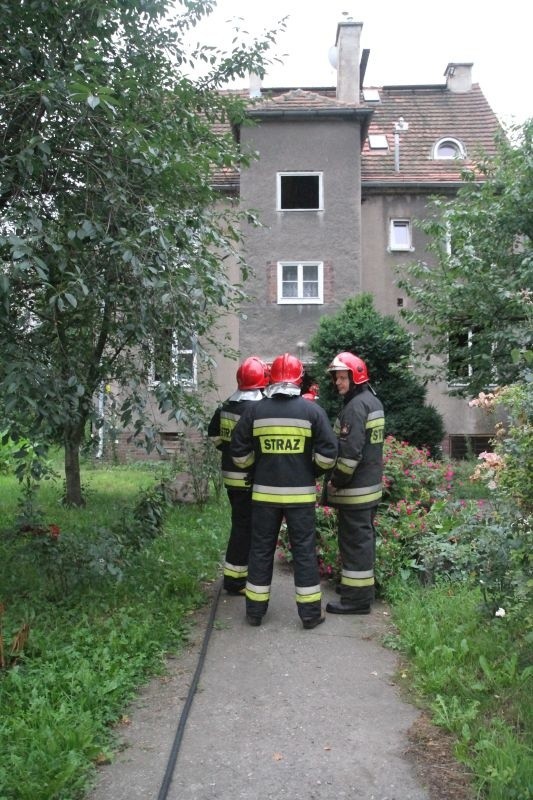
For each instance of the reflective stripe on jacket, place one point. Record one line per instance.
(357, 476)
(290, 441)
(220, 431)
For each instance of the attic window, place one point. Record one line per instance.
(378, 141)
(371, 96)
(449, 149)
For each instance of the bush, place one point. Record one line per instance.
(425, 429)
(410, 474)
(386, 348)
(412, 484)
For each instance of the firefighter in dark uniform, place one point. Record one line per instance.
(355, 485)
(289, 442)
(252, 377)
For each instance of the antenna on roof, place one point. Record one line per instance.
(333, 52)
(401, 126)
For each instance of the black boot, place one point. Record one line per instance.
(347, 608)
(313, 622)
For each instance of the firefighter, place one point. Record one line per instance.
(252, 377)
(310, 388)
(312, 392)
(289, 442)
(355, 485)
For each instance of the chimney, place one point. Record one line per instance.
(255, 85)
(348, 50)
(458, 77)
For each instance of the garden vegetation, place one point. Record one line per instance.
(93, 599)
(453, 559)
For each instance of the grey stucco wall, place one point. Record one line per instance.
(331, 236)
(380, 276)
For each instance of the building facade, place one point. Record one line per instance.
(343, 173)
(342, 176)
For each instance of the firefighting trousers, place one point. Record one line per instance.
(357, 549)
(238, 547)
(266, 523)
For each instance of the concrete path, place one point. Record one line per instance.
(280, 713)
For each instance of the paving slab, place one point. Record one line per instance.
(279, 712)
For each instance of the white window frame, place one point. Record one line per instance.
(319, 175)
(460, 153)
(192, 350)
(394, 242)
(300, 299)
(461, 381)
(176, 352)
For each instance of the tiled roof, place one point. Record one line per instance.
(432, 113)
(297, 99)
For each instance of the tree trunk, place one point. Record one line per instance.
(73, 492)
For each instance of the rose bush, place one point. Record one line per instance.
(413, 482)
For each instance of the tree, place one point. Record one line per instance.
(472, 307)
(386, 348)
(112, 235)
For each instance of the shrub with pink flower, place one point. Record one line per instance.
(398, 528)
(489, 469)
(410, 474)
(487, 400)
(412, 483)
(327, 548)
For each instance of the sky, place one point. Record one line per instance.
(410, 42)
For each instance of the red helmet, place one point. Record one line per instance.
(312, 393)
(353, 364)
(252, 374)
(286, 368)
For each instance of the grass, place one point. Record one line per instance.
(475, 675)
(93, 643)
(91, 648)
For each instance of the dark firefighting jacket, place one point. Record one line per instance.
(220, 430)
(358, 473)
(289, 442)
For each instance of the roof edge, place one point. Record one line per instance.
(353, 112)
(410, 187)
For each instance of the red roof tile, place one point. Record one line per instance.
(298, 99)
(432, 113)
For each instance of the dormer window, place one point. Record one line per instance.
(449, 148)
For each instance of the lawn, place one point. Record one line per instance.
(89, 607)
(96, 629)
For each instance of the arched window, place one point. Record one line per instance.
(449, 148)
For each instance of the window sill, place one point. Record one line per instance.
(300, 302)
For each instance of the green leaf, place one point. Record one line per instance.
(485, 666)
